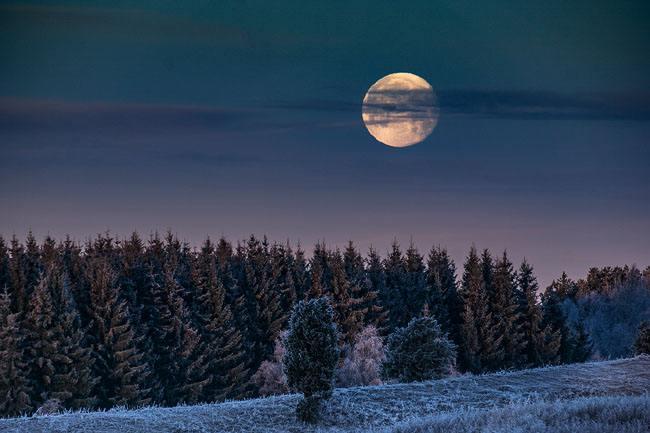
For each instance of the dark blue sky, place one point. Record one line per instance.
(237, 117)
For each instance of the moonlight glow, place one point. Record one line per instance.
(400, 110)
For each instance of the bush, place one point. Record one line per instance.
(642, 343)
(311, 354)
(270, 378)
(420, 351)
(362, 365)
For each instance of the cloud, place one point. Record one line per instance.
(514, 105)
(546, 105)
(23, 115)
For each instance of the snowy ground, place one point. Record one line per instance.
(530, 396)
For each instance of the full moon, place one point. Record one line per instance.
(400, 110)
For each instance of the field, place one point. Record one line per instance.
(592, 397)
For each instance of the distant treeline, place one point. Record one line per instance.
(134, 322)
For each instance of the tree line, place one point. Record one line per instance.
(133, 322)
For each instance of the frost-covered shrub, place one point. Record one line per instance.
(270, 378)
(50, 407)
(420, 351)
(642, 343)
(311, 354)
(362, 365)
(613, 320)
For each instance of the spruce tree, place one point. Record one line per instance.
(491, 339)
(362, 288)
(565, 288)
(232, 271)
(281, 276)
(537, 342)
(394, 296)
(507, 316)
(479, 347)
(214, 320)
(134, 278)
(33, 266)
(17, 277)
(348, 308)
(415, 290)
(267, 317)
(311, 354)
(74, 266)
(119, 363)
(556, 333)
(15, 389)
(319, 272)
(300, 272)
(5, 278)
(186, 369)
(377, 283)
(160, 327)
(420, 351)
(75, 377)
(43, 332)
(442, 292)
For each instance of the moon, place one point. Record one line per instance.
(400, 110)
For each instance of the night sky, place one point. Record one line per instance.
(230, 118)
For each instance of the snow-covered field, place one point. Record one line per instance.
(593, 397)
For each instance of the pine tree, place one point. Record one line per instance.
(537, 341)
(119, 362)
(15, 389)
(507, 316)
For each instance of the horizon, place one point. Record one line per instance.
(247, 118)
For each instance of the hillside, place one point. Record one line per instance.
(419, 407)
